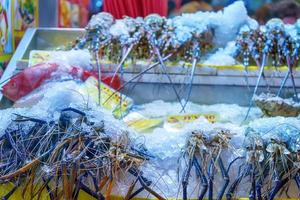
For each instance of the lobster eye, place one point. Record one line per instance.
(248, 148)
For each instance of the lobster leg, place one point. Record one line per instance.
(12, 143)
(74, 110)
(96, 185)
(277, 187)
(24, 118)
(76, 191)
(297, 180)
(225, 177)
(259, 186)
(125, 53)
(232, 162)
(65, 119)
(252, 195)
(292, 77)
(263, 75)
(149, 61)
(289, 72)
(122, 75)
(147, 188)
(257, 83)
(96, 54)
(135, 173)
(185, 180)
(190, 84)
(128, 195)
(283, 83)
(235, 184)
(136, 193)
(202, 178)
(50, 192)
(144, 183)
(103, 182)
(211, 180)
(233, 187)
(164, 68)
(246, 77)
(8, 195)
(86, 189)
(136, 76)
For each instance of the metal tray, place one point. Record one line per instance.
(211, 84)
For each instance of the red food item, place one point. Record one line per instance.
(31, 78)
(115, 84)
(135, 8)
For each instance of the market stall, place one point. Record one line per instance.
(194, 107)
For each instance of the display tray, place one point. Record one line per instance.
(211, 84)
(82, 195)
(220, 84)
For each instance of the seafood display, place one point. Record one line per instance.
(69, 152)
(73, 130)
(188, 38)
(272, 105)
(26, 81)
(274, 41)
(207, 147)
(267, 163)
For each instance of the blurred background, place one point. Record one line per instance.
(76, 13)
(261, 10)
(18, 15)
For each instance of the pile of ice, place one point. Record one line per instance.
(276, 99)
(119, 28)
(221, 27)
(167, 146)
(78, 58)
(186, 26)
(47, 101)
(293, 30)
(170, 142)
(232, 113)
(227, 23)
(223, 54)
